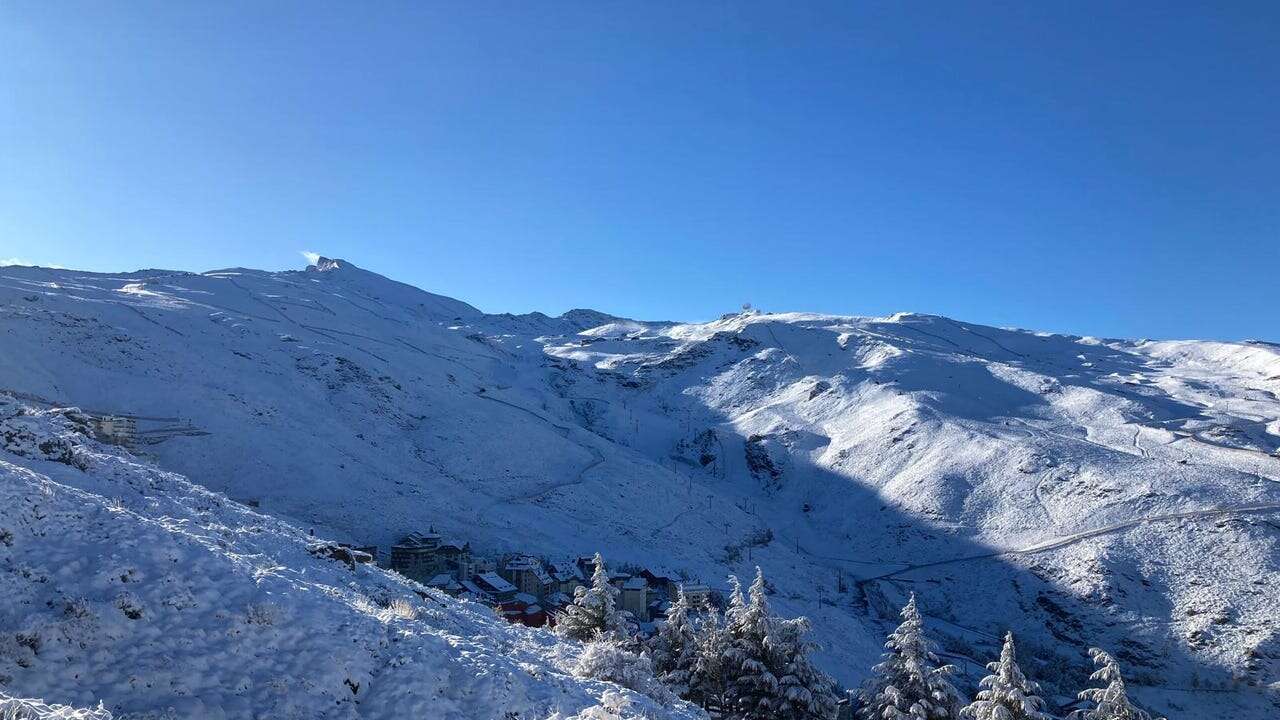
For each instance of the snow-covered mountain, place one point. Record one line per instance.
(1075, 490)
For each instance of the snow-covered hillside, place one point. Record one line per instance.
(1076, 490)
(132, 586)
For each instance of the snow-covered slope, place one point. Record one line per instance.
(1077, 490)
(130, 585)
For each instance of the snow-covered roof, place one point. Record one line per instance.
(635, 583)
(494, 582)
(565, 571)
(473, 589)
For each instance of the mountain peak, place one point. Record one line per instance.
(324, 264)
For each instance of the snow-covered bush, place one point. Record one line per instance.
(604, 658)
(13, 708)
(613, 706)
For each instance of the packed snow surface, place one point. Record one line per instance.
(1078, 491)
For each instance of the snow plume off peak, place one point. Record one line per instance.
(319, 263)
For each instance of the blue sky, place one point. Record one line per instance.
(1097, 168)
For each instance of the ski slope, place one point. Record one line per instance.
(853, 458)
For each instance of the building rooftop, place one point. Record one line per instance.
(494, 582)
(635, 583)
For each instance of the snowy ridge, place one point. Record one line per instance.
(1079, 491)
(130, 585)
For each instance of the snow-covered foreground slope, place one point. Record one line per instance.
(130, 585)
(1076, 490)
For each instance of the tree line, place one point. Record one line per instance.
(748, 663)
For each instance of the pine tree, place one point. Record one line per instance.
(908, 684)
(752, 684)
(594, 611)
(674, 646)
(804, 691)
(769, 674)
(1110, 702)
(708, 676)
(1006, 693)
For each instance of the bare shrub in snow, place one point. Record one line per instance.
(398, 609)
(260, 614)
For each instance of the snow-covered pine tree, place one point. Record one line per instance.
(707, 683)
(770, 674)
(908, 684)
(753, 688)
(673, 647)
(1006, 693)
(594, 610)
(736, 603)
(804, 691)
(1112, 701)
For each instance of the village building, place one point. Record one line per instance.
(456, 559)
(523, 608)
(423, 556)
(528, 575)
(696, 594)
(635, 598)
(494, 586)
(415, 556)
(116, 430)
(471, 591)
(567, 578)
(446, 583)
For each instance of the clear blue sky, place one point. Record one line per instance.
(1099, 168)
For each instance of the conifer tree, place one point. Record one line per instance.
(708, 676)
(674, 646)
(752, 684)
(908, 684)
(594, 612)
(804, 691)
(770, 674)
(1112, 701)
(1006, 693)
